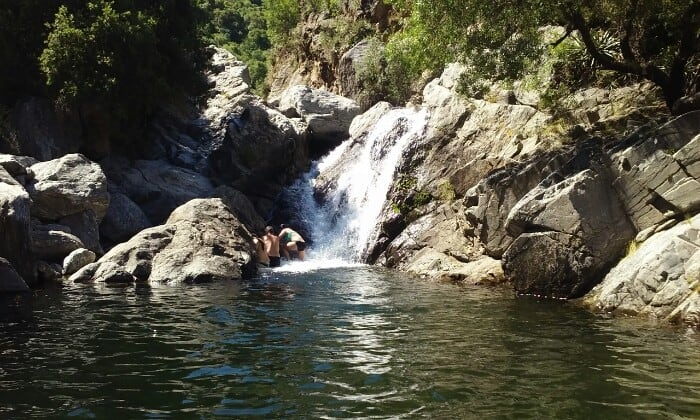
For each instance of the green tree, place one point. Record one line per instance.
(656, 39)
(281, 17)
(124, 58)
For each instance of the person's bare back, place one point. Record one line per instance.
(272, 246)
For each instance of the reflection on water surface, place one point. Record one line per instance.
(351, 341)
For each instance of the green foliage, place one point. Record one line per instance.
(124, 58)
(89, 57)
(281, 17)
(240, 26)
(501, 40)
(409, 196)
(446, 192)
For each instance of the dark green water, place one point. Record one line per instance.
(335, 343)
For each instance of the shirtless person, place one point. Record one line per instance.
(290, 240)
(272, 246)
(263, 258)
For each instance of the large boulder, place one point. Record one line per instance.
(241, 206)
(15, 227)
(328, 115)
(350, 69)
(68, 185)
(490, 201)
(202, 240)
(123, 220)
(568, 235)
(77, 260)
(660, 278)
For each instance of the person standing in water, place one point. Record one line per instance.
(291, 241)
(263, 258)
(272, 246)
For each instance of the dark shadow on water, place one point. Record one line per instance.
(16, 307)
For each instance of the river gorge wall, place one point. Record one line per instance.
(601, 207)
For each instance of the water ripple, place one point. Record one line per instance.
(355, 342)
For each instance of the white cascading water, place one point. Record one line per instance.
(345, 225)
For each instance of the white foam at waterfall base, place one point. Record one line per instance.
(345, 225)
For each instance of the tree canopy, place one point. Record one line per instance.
(657, 40)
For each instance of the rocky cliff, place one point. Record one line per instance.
(182, 208)
(501, 192)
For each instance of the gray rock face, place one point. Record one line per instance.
(10, 281)
(202, 240)
(123, 220)
(68, 185)
(328, 115)
(350, 68)
(84, 226)
(53, 245)
(658, 176)
(77, 260)
(156, 186)
(40, 132)
(578, 226)
(491, 200)
(15, 228)
(241, 206)
(660, 278)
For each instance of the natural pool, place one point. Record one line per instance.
(341, 342)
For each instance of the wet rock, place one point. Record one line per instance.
(48, 271)
(364, 122)
(77, 260)
(66, 186)
(660, 278)
(10, 280)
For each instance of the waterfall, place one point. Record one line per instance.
(361, 170)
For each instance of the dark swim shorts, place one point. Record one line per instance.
(274, 261)
(301, 246)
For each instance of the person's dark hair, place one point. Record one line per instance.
(268, 229)
(282, 226)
